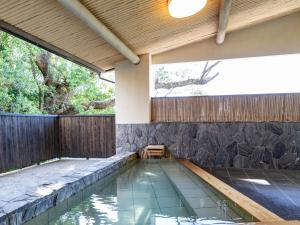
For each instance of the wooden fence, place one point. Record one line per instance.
(29, 139)
(279, 107)
(87, 136)
(26, 140)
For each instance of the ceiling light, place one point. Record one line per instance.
(184, 8)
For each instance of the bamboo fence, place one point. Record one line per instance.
(235, 108)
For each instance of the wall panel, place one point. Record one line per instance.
(87, 136)
(29, 139)
(26, 140)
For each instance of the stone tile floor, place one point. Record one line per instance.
(18, 186)
(30, 191)
(276, 190)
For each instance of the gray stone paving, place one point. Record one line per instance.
(276, 190)
(29, 192)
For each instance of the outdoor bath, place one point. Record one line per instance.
(146, 192)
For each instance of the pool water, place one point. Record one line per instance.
(149, 192)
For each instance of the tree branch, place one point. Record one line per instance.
(68, 109)
(101, 104)
(204, 79)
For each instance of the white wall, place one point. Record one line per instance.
(275, 37)
(133, 100)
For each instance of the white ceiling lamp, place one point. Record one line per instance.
(185, 8)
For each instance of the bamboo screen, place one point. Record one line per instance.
(279, 107)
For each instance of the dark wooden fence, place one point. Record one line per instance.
(87, 136)
(235, 108)
(29, 139)
(26, 140)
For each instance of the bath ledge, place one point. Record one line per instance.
(256, 210)
(48, 188)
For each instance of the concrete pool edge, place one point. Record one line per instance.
(256, 210)
(74, 184)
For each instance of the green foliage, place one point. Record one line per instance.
(22, 84)
(162, 75)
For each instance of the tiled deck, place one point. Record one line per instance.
(276, 190)
(29, 192)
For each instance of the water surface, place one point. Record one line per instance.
(149, 192)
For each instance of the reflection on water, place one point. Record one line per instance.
(143, 194)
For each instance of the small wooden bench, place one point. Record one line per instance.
(155, 150)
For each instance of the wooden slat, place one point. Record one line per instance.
(87, 136)
(26, 140)
(253, 208)
(161, 147)
(292, 222)
(29, 139)
(145, 26)
(236, 108)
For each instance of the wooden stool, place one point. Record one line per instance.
(155, 150)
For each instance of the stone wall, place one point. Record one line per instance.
(239, 145)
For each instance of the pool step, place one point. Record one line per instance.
(201, 200)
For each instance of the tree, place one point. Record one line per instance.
(33, 80)
(163, 80)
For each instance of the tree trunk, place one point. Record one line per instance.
(39, 86)
(63, 93)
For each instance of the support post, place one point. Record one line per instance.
(224, 13)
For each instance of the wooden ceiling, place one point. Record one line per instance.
(145, 26)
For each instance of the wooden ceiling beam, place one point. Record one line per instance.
(224, 13)
(8, 28)
(97, 26)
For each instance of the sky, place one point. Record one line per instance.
(256, 75)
